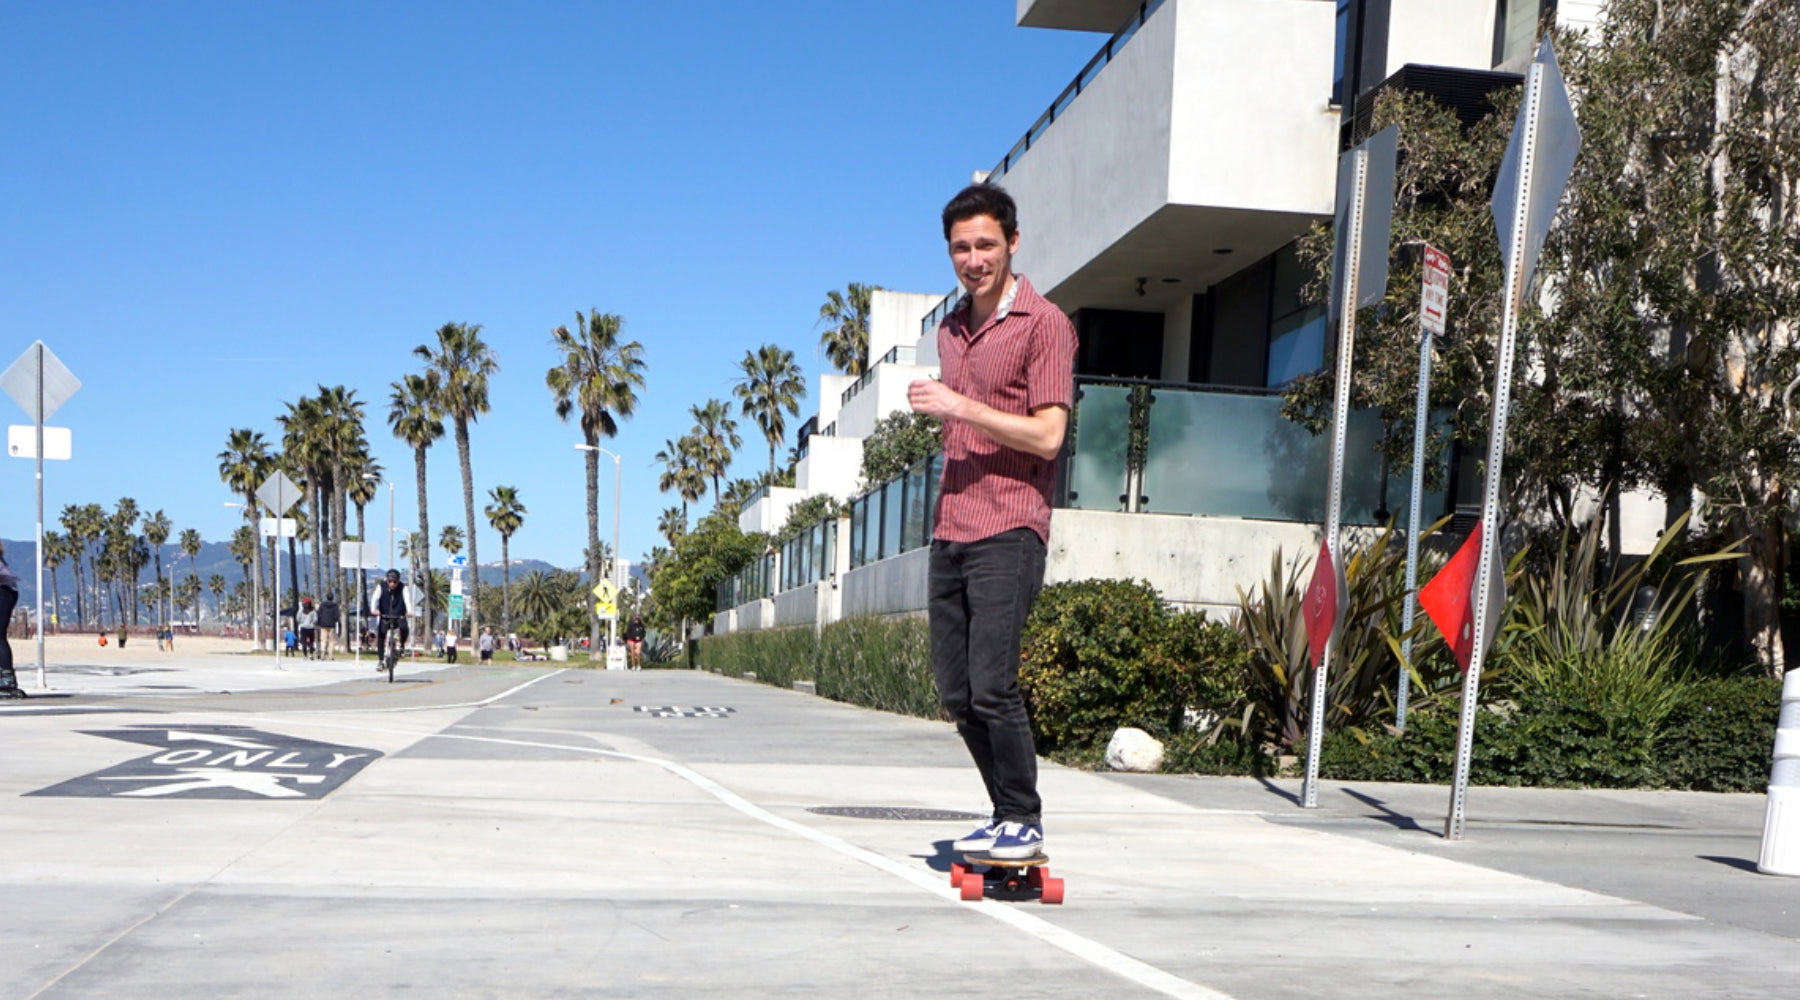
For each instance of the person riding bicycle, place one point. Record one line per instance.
(392, 609)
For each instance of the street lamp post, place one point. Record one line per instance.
(255, 593)
(612, 629)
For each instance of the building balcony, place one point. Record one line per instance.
(1076, 15)
(1200, 137)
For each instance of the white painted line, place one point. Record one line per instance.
(1086, 949)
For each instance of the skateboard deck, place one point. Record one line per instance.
(1008, 877)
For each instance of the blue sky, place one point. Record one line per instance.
(212, 208)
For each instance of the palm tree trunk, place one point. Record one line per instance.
(506, 580)
(320, 525)
(473, 603)
(424, 528)
(593, 520)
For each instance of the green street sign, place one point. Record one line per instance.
(456, 607)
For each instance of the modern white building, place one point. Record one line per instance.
(1160, 196)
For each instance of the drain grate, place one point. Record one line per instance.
(895, 813)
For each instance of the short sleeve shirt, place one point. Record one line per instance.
(1021, 359)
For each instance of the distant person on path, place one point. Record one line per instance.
(1007, 362)
(330, 615)
(450, 646)
(634, 642)
(309, 628)
(9, 599)
(392, 611)
(486, 645)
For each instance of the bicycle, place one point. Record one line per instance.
(394, 629)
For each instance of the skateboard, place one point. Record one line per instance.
(1010, 877)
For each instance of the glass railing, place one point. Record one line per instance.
(1157, 448)
(748, 584)
(935, 318)
(809, 556)
(900, 353)
(896, 516)
(1073, 90)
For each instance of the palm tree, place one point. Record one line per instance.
(190, 544)
(672, 524)
(342, 440)
(463, 362)
(55, 548)
(242, 466)
(416, 418)
(216, 584)
(245, 551)
(771, 386)
(506, 514)
(599, 377)
(845, 339)
(681, 471)
(715, 435)
(157, 529)
(451, 539)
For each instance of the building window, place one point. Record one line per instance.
(1516, 24)
(1296, 327)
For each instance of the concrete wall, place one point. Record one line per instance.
(1585, 14)
(800, 606)
(1456, 33)
(758, 614)
(1194, 561)
(830, 396)
(891, 586)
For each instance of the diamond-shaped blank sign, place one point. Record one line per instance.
(39, 366)
(278, 493)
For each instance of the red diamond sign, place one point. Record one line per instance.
(1323, 605)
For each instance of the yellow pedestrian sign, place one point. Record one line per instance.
(608, 593)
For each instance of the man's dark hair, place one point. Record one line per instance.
(983, 199)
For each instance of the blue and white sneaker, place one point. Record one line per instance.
(1018, 841)
(981, 840)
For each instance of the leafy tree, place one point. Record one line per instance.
(672, 524)
(462, 363)
(242, 466)
(684, 585)
(897, 443)
(1676, 259)
(157, 529)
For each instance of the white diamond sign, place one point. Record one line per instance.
(39, 367)
(278, 493)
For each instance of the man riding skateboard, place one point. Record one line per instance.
(1007, 361)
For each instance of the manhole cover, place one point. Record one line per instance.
(894, 812)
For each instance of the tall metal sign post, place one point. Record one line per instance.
(40, 383)
(1434, 303)
(279, 494)
(1365, 212)
(1538, 161)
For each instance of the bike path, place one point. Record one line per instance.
(526, 832)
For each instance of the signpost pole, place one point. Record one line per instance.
(42, 681)
(1433, 298)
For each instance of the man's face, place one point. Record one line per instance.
(982, 255)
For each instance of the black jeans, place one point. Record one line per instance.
(9, 599)
(980, 593)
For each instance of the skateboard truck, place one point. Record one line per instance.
(1010, 877)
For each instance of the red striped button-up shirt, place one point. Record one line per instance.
(1021, 359)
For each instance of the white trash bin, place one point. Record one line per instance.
(1781, 823)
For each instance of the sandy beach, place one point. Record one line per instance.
(141, 650)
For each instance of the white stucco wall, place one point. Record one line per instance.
(884, 394)
(1456, 33)
(1584, 14)
(891, 586)
(831, 465)
(770, 511)
(799, 606)
(830, 396)
(1103, 166)
(1252, 127)
(894, 317)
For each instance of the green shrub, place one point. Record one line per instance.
(1101, 654)
(880, 663)
(1719, 735)
(778, 656)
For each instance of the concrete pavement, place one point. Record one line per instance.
(527, 832)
